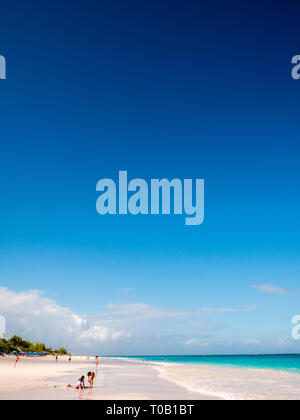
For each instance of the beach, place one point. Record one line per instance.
(117, 379)
(124, 379)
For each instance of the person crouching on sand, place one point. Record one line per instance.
(91, 378)
(80, 383)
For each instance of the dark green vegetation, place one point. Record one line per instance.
(16, 343)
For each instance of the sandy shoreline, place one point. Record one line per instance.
(36, 372)
(117, 379)
(123, 379)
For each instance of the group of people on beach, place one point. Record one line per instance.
(80, 385)
(56, 358)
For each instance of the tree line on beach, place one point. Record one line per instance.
(16, 343)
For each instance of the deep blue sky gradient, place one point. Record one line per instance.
(180, 89)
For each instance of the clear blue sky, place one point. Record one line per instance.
(189, 90)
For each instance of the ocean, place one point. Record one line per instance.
(286, 362)
(234, 377)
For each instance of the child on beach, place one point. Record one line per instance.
(91, 378)
(80, 383)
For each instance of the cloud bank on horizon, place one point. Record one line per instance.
(267, 288)
(127, 328)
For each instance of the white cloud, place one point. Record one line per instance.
(38, 318)
(130, 310)
(197, 342)
(284, 342)
(224, 310)
(267, 288)
(191, 341)
(250, 341)
(120, 328)
(127, 289)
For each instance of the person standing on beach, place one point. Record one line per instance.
(70, 359)
(17, 360)
(97, 361)
(56, 358)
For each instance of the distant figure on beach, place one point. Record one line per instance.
(91, 378)
(70, 359)
(56, 358)
(97, 361)
(17, 360)
(80, 383)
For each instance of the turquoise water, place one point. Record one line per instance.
(287, 362)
